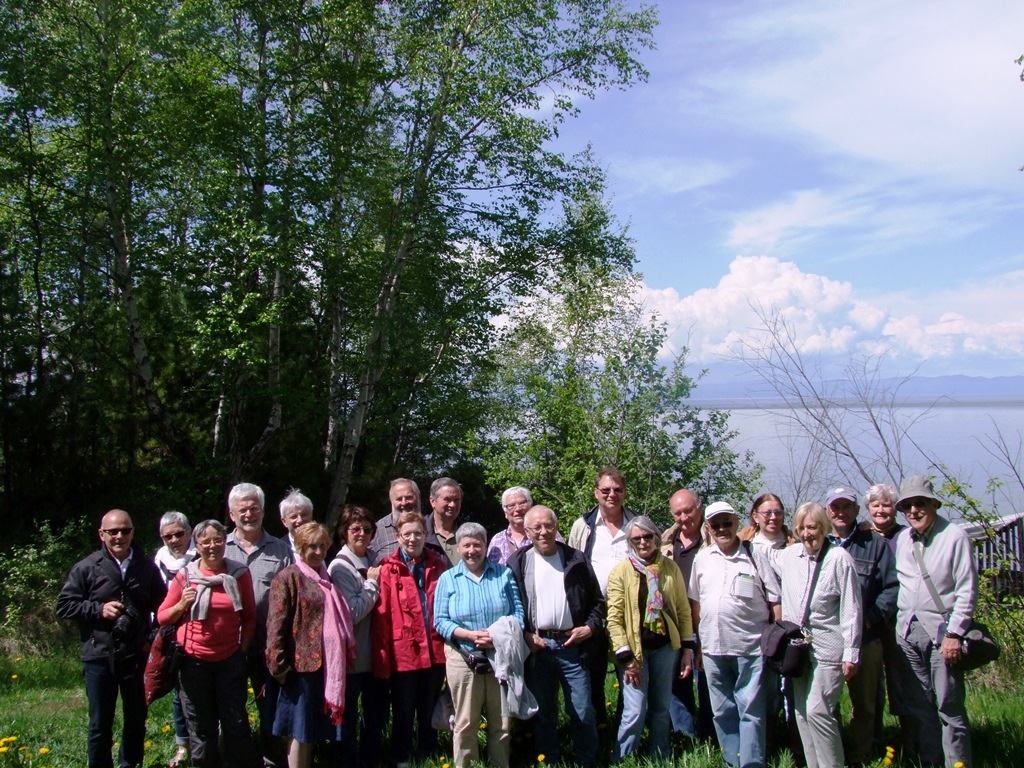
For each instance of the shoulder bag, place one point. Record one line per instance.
(783, 644)
(980, 648)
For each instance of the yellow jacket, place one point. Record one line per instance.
(624, 613)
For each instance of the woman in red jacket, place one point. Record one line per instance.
(310, 647)
(214, 597)
(406, 648)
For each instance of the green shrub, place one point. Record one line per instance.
(33, 575)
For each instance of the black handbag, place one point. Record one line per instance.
(980, 648)
(782, 642)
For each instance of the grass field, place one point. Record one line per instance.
(43, 709)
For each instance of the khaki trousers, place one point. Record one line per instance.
(471, 694)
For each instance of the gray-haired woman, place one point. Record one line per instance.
(470, 598)
(213, 600)
(176, 553)
(648, 622)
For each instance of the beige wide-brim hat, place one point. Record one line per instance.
(915, 486)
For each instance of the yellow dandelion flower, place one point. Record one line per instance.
(888, 761)
(14, 677)
(615, 685)
(28, 755)
(18, 659)
(540, 758)
(483, 726)
(44, 750)
(607, 703)
(22, 749)
(148, 744)
(3, 750)
(958, 764)
(252, 718)
(446, 765)
(166, 729)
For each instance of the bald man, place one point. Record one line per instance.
(112, 594)
(681, 541)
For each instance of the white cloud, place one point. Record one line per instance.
(962, 328)
(927, 91)
(667, 175)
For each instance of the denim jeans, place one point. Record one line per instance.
(101, 689)
(213, 696)
(738, 700)
(650, 703)
(546, 670)
(178, 715)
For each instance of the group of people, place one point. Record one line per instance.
(432, 625)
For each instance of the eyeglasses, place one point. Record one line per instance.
(721, 526)
(173, 535)
(642, 538)
(517, 505)
(412, 535)
(770, 512)
(544, 527)
(117, 531)
(359, 529)
(617, 490)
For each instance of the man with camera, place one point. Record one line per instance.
(112, 594)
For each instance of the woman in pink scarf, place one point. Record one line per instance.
(310, 646)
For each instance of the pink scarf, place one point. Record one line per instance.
(338, 638)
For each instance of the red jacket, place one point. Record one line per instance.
(399, 630)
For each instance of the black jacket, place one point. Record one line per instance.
(96, 580)
(582, 592)
(876, 571)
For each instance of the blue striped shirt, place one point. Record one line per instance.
(462, 601)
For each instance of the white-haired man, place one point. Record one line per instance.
(404, 495)
(564, 612)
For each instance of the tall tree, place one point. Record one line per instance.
(581, 385)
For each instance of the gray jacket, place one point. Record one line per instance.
(508, 658)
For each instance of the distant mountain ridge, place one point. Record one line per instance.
(916, 391)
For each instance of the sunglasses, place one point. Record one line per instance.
(117, 531)
(721, 526)
(644, 537)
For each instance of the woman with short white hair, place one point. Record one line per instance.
(470, 598)
(176, 553)
(832, 627)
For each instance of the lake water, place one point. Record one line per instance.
(957, 436)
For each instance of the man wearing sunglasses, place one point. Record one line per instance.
(600, 535)
(112, 594)
(930, 637)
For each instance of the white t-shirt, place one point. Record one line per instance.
(607, 552)
(552, 609)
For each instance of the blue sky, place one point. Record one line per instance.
(854, 165)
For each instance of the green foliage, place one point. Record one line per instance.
(33, 575)
(263, 242)
(581, 385)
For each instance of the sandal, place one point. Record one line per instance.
(180, 759)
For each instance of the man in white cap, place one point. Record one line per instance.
(930, 636)
(876, 573)
(734, 594)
